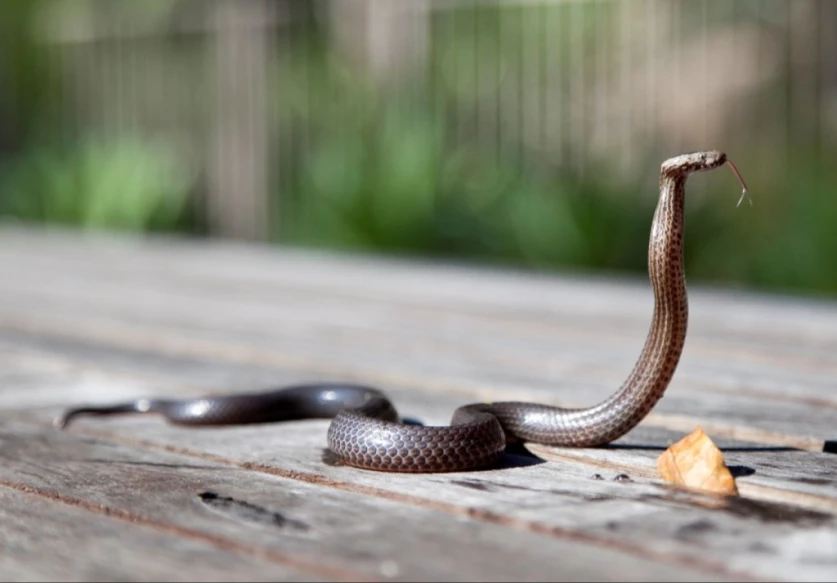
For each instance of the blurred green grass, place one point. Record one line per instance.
(396, 187)
(125, 184)
(389, 175)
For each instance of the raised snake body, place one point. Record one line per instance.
(365, 431)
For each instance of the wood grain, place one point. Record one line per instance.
(315, 528)
(102, 319)
(47, 539)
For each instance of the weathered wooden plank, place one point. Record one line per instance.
(122, 376)
(560, 498)
(586, 356)
(251, 272)
(249, 269)
(308, 317)
(335, 533)
(618, 303)
(799, 478)
(294, 449)
(517, 296)
(44, 539)
(356, 357)
(564, 488)
(85, 322)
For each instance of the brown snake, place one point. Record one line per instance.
(365, 431)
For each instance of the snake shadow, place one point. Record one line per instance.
(517, 456)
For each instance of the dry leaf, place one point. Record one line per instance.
(696, 462)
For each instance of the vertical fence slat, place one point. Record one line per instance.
(237, 191)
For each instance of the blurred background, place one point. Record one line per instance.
(523, 133)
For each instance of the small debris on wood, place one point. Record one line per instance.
(696, 462)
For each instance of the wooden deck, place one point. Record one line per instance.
(132, 498)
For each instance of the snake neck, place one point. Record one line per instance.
(660, 355)
(667, 334)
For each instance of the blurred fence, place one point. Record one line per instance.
(254, 109)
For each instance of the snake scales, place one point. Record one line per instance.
(365, 430)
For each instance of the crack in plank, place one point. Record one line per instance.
(249, 512)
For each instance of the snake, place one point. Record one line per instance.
(366, 431)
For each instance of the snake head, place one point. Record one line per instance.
(693, 162)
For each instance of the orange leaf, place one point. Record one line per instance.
(696, 462)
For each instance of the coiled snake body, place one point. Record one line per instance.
(365, 431)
